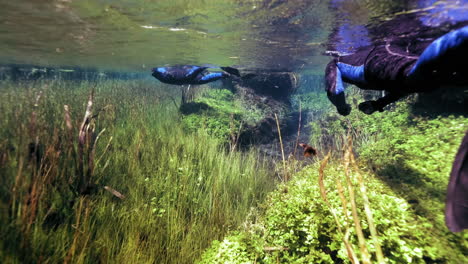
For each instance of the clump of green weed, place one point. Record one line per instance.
(216, 112)
(224, 115)
(297, 227)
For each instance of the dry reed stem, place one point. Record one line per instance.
(285, 177)
(114, 192)
(357, 223)
(85, 233)
(16, 185)
(105, 150)
(349, 248)
(71, 150)
(33, 120)
(370, 219)
(323, 193)
(71, 251)
(234, 136)
(298, 129)
(29, 209)
(31, 206)
(68, 121)
(83, 138)
(344, 202)
(91, 163)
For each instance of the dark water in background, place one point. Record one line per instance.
(129, 35)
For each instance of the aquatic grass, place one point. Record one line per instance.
(181, 189)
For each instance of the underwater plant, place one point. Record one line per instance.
(125, 182)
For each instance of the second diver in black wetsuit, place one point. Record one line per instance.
(191, 74)
(392, 68)
(456, 203)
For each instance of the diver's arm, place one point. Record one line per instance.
(370, 107)
(335, 88)
(210, 77)
(193, 71)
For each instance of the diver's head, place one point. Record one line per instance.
(159, 72)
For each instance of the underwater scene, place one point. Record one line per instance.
(222, 131)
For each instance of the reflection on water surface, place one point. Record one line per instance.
(136, 35)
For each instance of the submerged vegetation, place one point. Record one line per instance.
(118, 171)
(217, 112)
(236, 116)
(404, 161)
(122, 171)
(121, 183)
(297, 226)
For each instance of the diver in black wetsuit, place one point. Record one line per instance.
(456, 205)
(392, 68)
(191, 74)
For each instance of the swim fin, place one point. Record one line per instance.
(231, 70)
(249, 76)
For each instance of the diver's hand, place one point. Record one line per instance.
(344, 111)
(369, 107)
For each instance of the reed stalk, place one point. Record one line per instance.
(357, 224)
(370, 219)
(349, 249)
(298, 129)
(285, 177)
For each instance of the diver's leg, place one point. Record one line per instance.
(210, 77)
(231, 70)
(370, 107)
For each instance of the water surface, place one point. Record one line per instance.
(137, 35)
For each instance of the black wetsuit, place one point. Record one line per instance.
(456, 206)
(191, 74)
(395, 68)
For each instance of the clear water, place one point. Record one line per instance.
(183, 190)
(137, 35)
